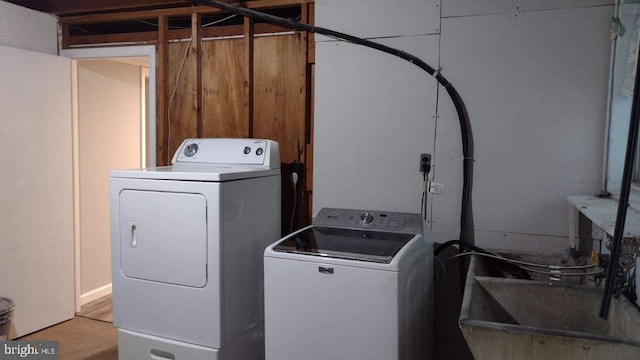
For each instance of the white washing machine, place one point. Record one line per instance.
(187, 246)
(353, 285)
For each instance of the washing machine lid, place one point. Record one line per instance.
(351, 244)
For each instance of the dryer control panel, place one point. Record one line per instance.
(260, 152)
(369, 219)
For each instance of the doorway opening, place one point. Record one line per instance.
(113, 100)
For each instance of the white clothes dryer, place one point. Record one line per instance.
(187, 245)
(353, 285)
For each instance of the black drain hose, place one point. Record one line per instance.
(466, 216)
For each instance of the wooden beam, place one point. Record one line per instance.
(196, 64)
(311, 40)
(147, 37)
(136, 15)
(64, 28)
(173, 12)
(151, 37)
(66, 7)
(310, 124)
(162, 127)
(233, 30)
(248, 43)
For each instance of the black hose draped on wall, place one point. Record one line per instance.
(466, 215)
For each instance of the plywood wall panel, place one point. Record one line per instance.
(257, 89)
(280, 91)
(224, 77)
(183, 116)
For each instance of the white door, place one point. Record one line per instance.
(36, 188)
(163, 237)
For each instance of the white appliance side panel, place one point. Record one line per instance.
(163, 237)
(181, 313)
(250, 222)
(415, 301)
(137, 346)
(349, 314)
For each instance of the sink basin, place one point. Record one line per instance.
(504, 318)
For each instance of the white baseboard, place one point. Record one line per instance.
(95, 294)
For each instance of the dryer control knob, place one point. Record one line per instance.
(191, 149)
(366, 218)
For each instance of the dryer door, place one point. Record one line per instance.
(163, 237)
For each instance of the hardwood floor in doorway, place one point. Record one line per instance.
(100, 309)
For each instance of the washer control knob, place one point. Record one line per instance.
(246, 150)
(191, 150)
(259, 151)
(366, 218)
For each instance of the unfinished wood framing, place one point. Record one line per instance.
(162, 84)
(182, 112)
(175, 12)
(196, 65)
(249, 90)
(117, 21)
(305, 211)
(244, 80)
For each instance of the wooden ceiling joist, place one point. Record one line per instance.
(174, 12)
(125, 27)
(151, 37)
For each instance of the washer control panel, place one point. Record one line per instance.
(369, 219)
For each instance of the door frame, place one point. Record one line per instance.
(106, 53)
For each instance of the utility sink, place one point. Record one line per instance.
(505, 318)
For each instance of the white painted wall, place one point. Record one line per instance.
(535, 86)
(533, 75)
(375, 113)
(36, 188)
(28, 29)
(108, 138)
(380, 116)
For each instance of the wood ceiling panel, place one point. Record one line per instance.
(74, 7)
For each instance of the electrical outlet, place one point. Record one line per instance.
(425, 163)
(436, 188)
